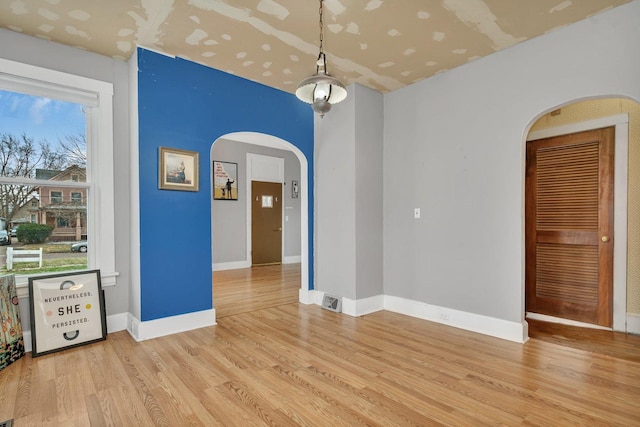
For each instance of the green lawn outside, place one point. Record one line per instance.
(48, 265)
(47, 248)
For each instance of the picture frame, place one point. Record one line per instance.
(225, 180)
(67, 311)
(178, 169)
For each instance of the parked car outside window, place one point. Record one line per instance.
(79, 247)
(5, 239)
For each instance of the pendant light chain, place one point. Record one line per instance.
(321, 90)
(321, 28)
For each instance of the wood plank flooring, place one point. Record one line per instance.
(614, 344)
(293, 364)
(249, 289)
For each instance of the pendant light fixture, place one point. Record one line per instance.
(321, 90)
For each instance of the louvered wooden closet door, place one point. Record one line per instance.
(569, 226)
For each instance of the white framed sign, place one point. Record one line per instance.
(67, 310)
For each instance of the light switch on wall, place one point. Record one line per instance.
(416, 213)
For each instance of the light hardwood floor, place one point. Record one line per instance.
(249, 289)
(293, 364)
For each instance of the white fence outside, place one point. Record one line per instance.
(19, 255)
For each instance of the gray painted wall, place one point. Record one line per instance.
(349, 196)
(335, 200)
(229, 217)
(42, 53)
(454, 146)
(369, 200)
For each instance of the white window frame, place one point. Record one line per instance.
(97, 96)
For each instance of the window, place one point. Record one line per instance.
(55, 197)
(28, 193)
(43, 147)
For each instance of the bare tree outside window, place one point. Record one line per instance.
(20, 157)
(74, 149)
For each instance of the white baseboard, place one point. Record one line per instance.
(308, 297)
(499, 328)
(230, 265)
(633, 323)
(350, 307)
(141, 331)
(26, 337)
(362, 306)
(117, 322)
(247, 264)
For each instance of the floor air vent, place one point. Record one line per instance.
(332, 303)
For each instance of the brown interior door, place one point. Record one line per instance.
(266, 223)
(569, 226)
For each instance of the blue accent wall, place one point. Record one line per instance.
(188, 106)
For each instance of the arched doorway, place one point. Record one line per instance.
(250, 145)
(624, 116)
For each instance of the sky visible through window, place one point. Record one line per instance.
(40, 118)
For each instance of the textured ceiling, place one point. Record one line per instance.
(382, 44)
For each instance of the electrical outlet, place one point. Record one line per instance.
(416, 213)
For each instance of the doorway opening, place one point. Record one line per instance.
(238, 286)
(623, 116)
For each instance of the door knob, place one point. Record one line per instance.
(605, 239)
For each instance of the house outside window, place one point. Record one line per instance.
(65, 211)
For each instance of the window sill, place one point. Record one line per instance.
(22, 282)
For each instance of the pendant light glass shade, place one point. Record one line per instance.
(321, 90)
